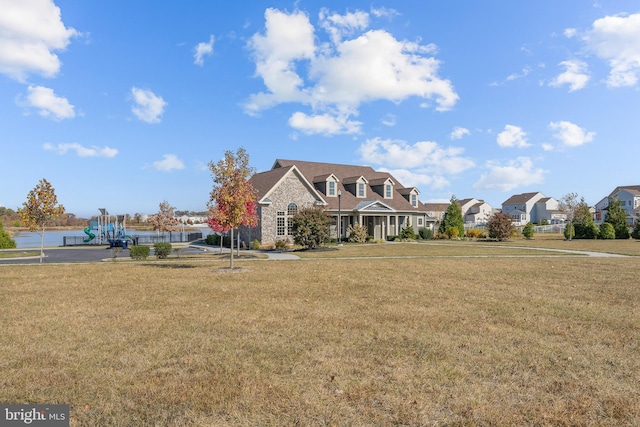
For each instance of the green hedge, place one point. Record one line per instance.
(162, 250)
(139, 252)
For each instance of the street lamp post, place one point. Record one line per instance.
(339, 228)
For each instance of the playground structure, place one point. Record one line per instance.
(109, 229)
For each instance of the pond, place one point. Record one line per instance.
(27, 239)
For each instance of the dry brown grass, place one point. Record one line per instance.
(431, 341)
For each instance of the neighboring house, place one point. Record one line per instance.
(533, 207)
(435, 214)
(360, 195)
(475, 211)
(629, 197)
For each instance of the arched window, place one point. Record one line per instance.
(292, 209)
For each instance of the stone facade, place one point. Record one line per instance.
(291, 190)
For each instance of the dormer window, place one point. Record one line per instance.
(414, 200)
(331, 191)
(361, 190)
(387, 191)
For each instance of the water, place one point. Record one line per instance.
(26, 239)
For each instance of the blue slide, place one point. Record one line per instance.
(88, 232)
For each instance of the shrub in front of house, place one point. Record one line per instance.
(281, 245)
(255, 245)
(425, 233)
(212, 239)
(473, 233)
(636, 231)
(357, 233)
(528, 231)
(407, 233)
(162, 250)
(607, 231)
(139, 252)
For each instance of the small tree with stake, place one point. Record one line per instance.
(232, 199)
(40, 209)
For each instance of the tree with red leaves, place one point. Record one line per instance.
(232, 202)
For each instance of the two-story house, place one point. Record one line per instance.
(533, 207)
(629, 197)
(350, 194)
(475, 211)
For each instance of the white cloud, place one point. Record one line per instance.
(389, 120)
(203, 49)
(547, 147)
(570, 134)
(516, 173)
(524, 73)
(82, 151)
(570, 32)
(342, 74)
(426, 155)
(380, 12)
(410, 178)
(459, 132)
(30, 32)
(575, 75)
(148, 106)
(512, 136)
(616, 39)
(325, 124)
(48, 104)
(170, 162)
(339, 26)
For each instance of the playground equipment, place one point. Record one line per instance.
(109, 229)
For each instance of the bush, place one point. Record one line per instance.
(408, 233)
(281, 245)
(139, 252)
(500, 226)
(452, 232)
(473, 233)
(6, 242)
(569, 231)
(636, 230)
(311, 227)
(528, 230)
(425, 233)
(255, 245)
(162, 250)
(586, 231)
(212, 239)
(357, 233)
(607, 231)
(543, 221)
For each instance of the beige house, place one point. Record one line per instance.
(354, 194)
(475, 211)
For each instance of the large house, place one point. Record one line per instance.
(533, 207)
(475, 211)
(629, 197)
(356, 194)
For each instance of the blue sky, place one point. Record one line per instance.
(122, 104)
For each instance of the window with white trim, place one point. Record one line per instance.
(361, 192)
(332, 188)
(292, 209)
(280, 223)
(387, 191)
(414, 200)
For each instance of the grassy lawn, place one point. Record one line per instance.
(369, 341)
(13, 253)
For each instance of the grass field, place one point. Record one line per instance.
(328, 341)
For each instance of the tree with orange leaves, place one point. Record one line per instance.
(40, 209)
(232, 202)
